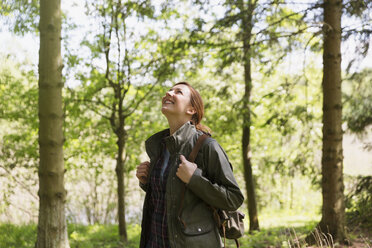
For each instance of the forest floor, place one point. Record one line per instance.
(289, 234)
(295, 238)
(360, 237)
(294, 228)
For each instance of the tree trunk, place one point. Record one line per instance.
(248, 175)
(249, 180)
(117, 121)
(121, 188)
(333, 209)
(52, 229)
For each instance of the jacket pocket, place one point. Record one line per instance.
(197, 220)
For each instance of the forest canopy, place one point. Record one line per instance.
(260, 69)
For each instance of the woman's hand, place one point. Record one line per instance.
(185, 170)
(143, 171)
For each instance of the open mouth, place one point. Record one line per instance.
(167, 101)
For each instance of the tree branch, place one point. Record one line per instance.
(20, 183)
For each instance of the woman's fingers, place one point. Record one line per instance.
(142, 171)
(185, 169)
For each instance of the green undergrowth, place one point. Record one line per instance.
(80, 236)
(101, 236)
(105, 236)
(283, 228)
(17, 236)
(281, 236)
(277, 229)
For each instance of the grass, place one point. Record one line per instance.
(278, 229)
(14, 236)
(289, 233)
(80, 236)
(105, 236)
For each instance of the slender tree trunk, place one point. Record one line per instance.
(247, 18)
(108, 208)
(249, 180)
(95, 200)
(291, 192)
(117, 121)
(52, 229)
(333, 209)
(121, 186)
(89, 214)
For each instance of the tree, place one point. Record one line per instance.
(333, 209)
(52, 228)
(254, 30)
(246, 27)
(135, 65)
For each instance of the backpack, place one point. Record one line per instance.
(229, 223)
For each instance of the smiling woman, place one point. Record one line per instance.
(209, 181)
(176, 106)
(180, 99)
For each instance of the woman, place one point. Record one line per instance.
(209, 181)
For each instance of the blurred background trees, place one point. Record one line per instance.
(258, 66)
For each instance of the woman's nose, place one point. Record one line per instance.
(169, 93)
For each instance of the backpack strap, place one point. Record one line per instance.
(191, 158)
(197, 147)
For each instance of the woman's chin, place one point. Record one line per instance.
(168, 112)
(164, 110)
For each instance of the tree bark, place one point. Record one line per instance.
(247, 18)
(121, 187)
(52, 229)
(333, 209)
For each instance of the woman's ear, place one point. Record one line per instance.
(191, 111)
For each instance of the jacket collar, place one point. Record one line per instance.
(174, 142)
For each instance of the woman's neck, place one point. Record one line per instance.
(174, 125)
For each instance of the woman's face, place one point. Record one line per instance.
(176, 102)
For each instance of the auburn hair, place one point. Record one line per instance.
(197, 103)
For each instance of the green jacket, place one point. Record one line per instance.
(212, 183)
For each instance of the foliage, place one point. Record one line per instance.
(80, 236)
(101, 236)
(277, 236)
(120, 77)
(18, 140)
(358, 100)
(358, 202)
(91, 236)
(286, 129)
(17, 236)
(284, 107)
(90, 157)
(105, 236)
(21, 16)
(178, 40)
(293, 224)
(356, 33)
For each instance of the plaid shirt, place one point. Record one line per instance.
(159, 226)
